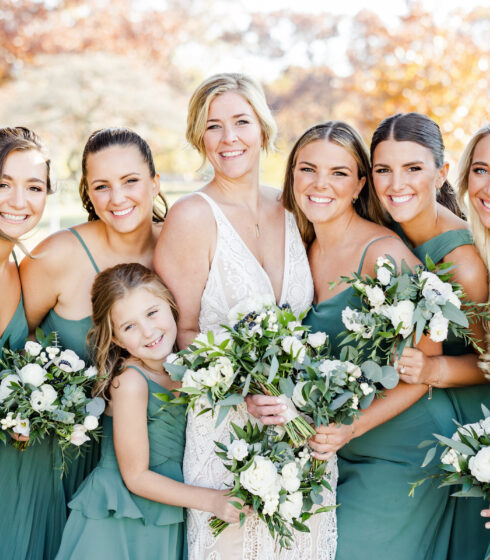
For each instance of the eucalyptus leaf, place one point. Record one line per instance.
(456, 445)
(389, 377)
(286, 386)
(452, 313)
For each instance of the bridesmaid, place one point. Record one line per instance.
(119, 189)
(328, 187)
(33, 512)
(474, 184)
(131, 506)
(409, 175)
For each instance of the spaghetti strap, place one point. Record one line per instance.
(138, 370)
(15, 259)
(369, 245)
(82, 242)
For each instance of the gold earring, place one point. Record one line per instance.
(354, 200)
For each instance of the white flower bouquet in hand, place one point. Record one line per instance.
(278, 482)
(465, 459)
(45, 390)
(399, 306)
(259, 354)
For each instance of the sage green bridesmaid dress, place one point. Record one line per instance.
(32, 501)
(376, 518)
(73, 334)
(469, 538)
(107, 521)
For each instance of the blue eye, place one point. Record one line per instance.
(100, 187)
(153, 312)
(480, 170)
(381, 170)
(307, 169)
(127, 327)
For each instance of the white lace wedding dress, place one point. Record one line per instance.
(235, 274)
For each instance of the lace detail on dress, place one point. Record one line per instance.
(234, 275)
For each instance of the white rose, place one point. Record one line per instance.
(366, 388)
(476, 426)
(402, 313)
(327, 366)
(90, 422)
(78, 436)
(43, 398)
(8, 422)
(349, 318)
(5, 388)
(52, 351)
(454, 299)
(486, 425)
(291, 508)
(210, 377)
(91, 372)
(291, 345)
(238, 449)
(33, 374)
(438, 327)
(480, 465)
(69, 361)
(293, 325)
(22, 426)
(270, 505)
(382, 261)
(191, 379)
(34, 348)
(297, 397)
(353, 370)
(383, 275)
(317, 339)
(261, 478)
(225, 367)
(289, 477)
(95, 407)
(450, 457)
(375, 296)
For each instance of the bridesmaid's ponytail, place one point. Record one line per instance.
(447, 197)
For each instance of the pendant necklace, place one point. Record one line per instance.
(257, 231)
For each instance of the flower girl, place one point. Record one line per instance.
(131, 506)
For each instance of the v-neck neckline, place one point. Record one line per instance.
(249, 251)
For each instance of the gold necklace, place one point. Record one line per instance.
(257, 231)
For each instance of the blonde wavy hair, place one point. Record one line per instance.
(110, 286)
(480, 232)
(218, 84)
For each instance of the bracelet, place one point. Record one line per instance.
(437, 380)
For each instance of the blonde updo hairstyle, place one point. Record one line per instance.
(367, 204)
(218, 84)
(110, 286)
(480, 232)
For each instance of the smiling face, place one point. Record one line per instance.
(479, 180)
(406, 177)
(23, 191)
(121, 187)
(233, 137)
(144, 325)
(326, 181)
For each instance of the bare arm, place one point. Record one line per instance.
(182, 259)
(453, 371)
(42, 277)
(129, 405)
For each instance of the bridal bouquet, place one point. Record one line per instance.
(399, 306)
(280, 483)
(45, 390)
(259, 354)
(465, 460)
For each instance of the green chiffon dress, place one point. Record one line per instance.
(32, 500)
(469, 538)
(376, 518)
(107, 521)
(72, 334)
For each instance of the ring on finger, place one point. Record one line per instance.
(402, 369)
(260, 417)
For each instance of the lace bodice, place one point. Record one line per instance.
(235, 274)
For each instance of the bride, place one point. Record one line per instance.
(228, 241)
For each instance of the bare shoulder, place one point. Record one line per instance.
(189, 209)
(53, 253)
(383, 241)
(129, 384)
(470, 271)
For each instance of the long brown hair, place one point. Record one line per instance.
(110, 286)
(105, 138)
(419, 128)
(17, 139)
(367, 204)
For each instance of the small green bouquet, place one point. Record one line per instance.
(46, 390)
